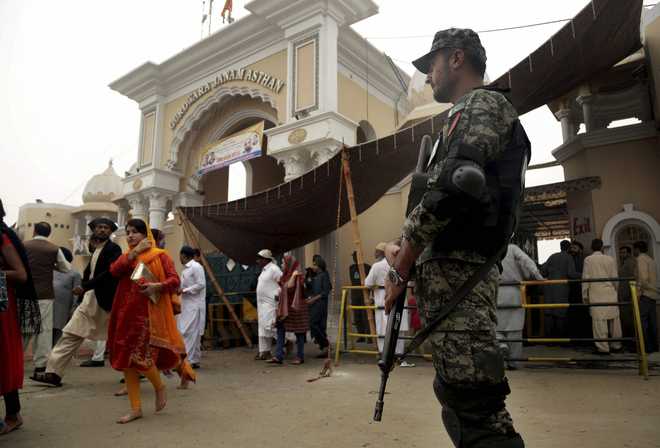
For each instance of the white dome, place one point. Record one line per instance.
(104, 187)
(419, 93)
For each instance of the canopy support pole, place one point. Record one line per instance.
(345, 160)
(190, 236)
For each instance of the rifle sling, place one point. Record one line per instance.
(462, 292)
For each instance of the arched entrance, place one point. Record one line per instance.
(630, 232)
(226, 117)
(629, 226)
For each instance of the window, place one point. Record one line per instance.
(628, 234)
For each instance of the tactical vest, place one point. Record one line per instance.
(485, 227)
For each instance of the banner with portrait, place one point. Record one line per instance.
(238, 147)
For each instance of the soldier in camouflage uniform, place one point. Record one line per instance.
(470, 382)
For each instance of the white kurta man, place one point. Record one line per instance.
(192, 319)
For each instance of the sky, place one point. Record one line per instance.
(60, 123)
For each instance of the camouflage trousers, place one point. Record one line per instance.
(470, 382)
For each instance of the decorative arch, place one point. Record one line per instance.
(218, 97)
(626, 217)
(365, 132)
(237, 118)
(629, 216)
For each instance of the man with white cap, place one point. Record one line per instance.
(267, 291)
(376, 281)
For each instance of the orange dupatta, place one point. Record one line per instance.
(163, 332)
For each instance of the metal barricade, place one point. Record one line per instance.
(220, 328)
(344, 335)
(641, 358)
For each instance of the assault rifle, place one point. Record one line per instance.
(386, 362)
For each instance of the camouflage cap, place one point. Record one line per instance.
(451, 38)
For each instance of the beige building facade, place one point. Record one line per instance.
(625, 156)
(610, 128)
(300, 69)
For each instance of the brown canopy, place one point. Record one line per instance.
(602, 34)
(298, 212)
(303, 210)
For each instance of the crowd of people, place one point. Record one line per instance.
(600, 322)
(150, 323)
(156, 323)
(290, 303)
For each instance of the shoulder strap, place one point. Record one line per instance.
(463, 291)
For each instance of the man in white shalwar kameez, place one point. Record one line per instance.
(268, 289)
(516, 267)
(192, 319)
(605, 319)
(376, 282)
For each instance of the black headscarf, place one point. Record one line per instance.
(29, 317)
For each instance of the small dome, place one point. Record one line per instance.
(132, 169)
(419, 93)
(104, 187)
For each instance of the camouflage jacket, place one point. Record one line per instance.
(482, 118)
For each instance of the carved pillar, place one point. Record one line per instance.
(567, 126)
(586, 101)
(157, 209)
(137, 207)
(122, 214)
(88, 219)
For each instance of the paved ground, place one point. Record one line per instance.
(239, 402)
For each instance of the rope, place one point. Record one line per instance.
(326, 371)
(336, 255)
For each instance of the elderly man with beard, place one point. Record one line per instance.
(90, 319)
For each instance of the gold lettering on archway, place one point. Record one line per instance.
(260, 78)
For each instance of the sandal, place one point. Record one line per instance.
(261, 357)
(297, 362)
(274, 360)
(6, 427)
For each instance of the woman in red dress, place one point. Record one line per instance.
(142, 335)
(16, 272)
(295, 317)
